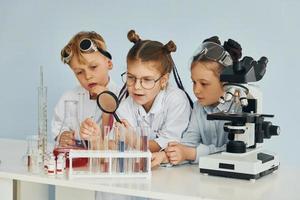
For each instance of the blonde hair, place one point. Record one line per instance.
(73, 45)
(215, 67)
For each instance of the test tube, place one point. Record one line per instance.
(137, 161)
(130, 145)
(114, 147)
(121, 148)
(105, 133)
(145, 145)
(94, 145)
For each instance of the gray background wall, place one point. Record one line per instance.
(33, 33)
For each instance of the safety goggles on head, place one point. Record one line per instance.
(86, 45)
(215, 52)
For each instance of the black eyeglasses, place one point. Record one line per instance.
(86, 45)
(146, 83)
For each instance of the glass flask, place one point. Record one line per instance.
(71, 124)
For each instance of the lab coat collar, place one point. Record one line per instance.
(219, 108)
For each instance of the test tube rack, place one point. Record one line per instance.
(110, 155)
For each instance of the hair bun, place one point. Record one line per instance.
(234, 49)
(214, 39)
(170, 46)
(133, 37)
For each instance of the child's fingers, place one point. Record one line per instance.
(171, 149)
(125, 123)
(174, 162)
(172, 154)
(173, 143)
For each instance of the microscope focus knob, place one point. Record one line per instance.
(275, 130)
(269, 129)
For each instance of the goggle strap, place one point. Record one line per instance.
(105, 53)
(123, 92)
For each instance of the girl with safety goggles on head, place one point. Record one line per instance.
(87, 57)
(152, 101)
(204, 137)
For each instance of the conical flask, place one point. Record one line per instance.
(71, 125)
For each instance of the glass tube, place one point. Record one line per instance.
(137, 161)
(130, 147)
(144, 146)
(121, 148)
(94, 145)
(105, 139)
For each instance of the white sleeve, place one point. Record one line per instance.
(176, 119)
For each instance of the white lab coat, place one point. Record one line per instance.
(168, 117)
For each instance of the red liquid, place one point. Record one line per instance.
(136, 167)
(144, 143)
(77, 162)
(105, 166)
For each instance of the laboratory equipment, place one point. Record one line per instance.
(108, 102)
(121, 147)
(71, 124)
(105, 139)
(244, 157)
(33, 155)
(145, 132)
(42, 117)
(120, 156)
(110, 156)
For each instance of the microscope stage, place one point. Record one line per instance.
(253, 164)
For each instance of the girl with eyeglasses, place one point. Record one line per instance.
(203, 136)
(152, 101)
(88, 58)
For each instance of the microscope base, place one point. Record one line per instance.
(250, 165)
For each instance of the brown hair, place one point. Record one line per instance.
(149, 50)
(73, 45)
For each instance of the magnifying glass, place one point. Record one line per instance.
(108, 102)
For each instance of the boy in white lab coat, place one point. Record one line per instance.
(87, 57)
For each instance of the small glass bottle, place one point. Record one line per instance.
(60, 164)
(51, 165)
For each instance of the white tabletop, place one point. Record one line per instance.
(181, 182)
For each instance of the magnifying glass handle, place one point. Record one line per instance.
(117, 118)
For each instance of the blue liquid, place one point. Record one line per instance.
(121, 160)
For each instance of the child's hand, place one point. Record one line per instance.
(175, 152)
(158, 158)
(66, 138)
(89, 128)
(97, 90)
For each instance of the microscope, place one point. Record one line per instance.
(245, 124)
